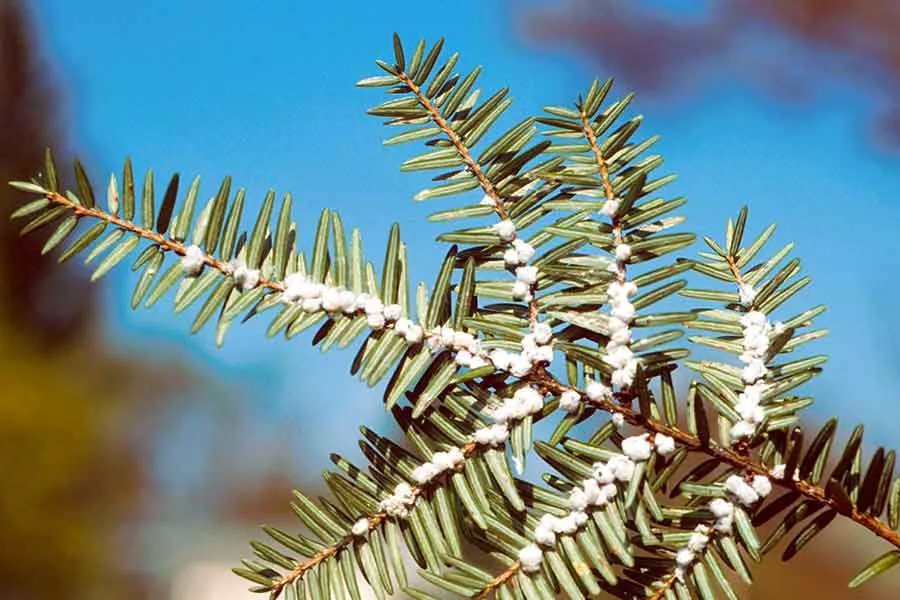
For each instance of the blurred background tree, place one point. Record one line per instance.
(73, 475)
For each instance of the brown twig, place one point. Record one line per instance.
(467, 158)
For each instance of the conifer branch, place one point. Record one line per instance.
(723, 455)
(461, 148)
(473, 396)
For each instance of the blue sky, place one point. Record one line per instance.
(267, 96)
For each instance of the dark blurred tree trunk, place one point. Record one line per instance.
(75, 416)
(28, 124)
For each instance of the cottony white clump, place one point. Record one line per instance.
(663, 444)
(487, 200)
(527, 274)
(415, 334)
(699, 539)
(399, 503)
(425, 473)
(747, 293)
(638, 448)
(501, 359)
(622, 467)
(392, 312)
(544, 534)
(525, 401)
(755, 342)
(569, 401)
(193, 260)
(778, 472)
(244, 278)
(448, 460)
(492, 435)
(530, 558)
(618, 420)
(578, 499)
(360, 528)
(519, 365)
(618, 352)
(611, 207)
(506, 229)
(464, 358)
(603, 473)
(623, 252)
(375, 321)
(331, 300)
(542, 333)
(521, 291)
(761, 485)
(519, 254)
(741, 490)
(723, 511)
(535, 352)
(596, 391)
(686, 555)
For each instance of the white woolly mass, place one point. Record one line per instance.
(755, 343)
(376, 321)
(544, 534)
(519, 254)
(487, 200)
(596, 391)
(533, 351)
(596, 491)
(525, 401)
(244, 278)
(699, 539)
(618, 420)
(623, 252)
(193, 260)
(360, 528)
(761, 485)
(747, 293)
(492, 435)
(527, 274)
(530, 558)
(440, 462)
(778, 472)
(425, 473)
(663, 444)
(392, 312)
(746, 493)
(399, 503)
(521, 291)
(637, 447)
(506, 229)
(569, 401)
(542, 333)
(618, 351)
(686, 555)
(611, 207)
(622, 467)
(519, 365)
(723, 511)
(312, 296)
(603, 473)
(550, 526)
(578, 499)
